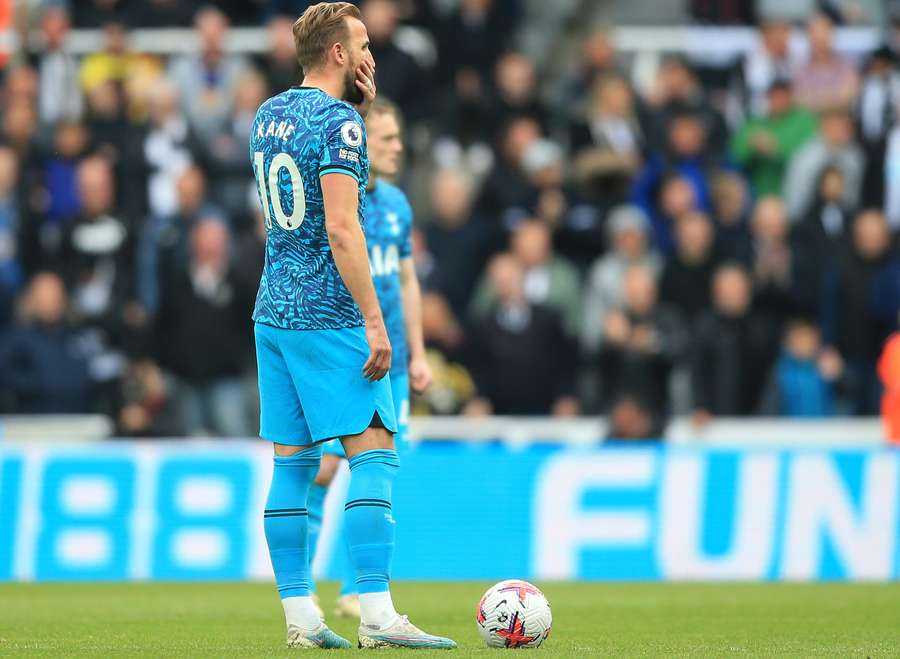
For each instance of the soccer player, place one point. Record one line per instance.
(322, 349)
(388, 223)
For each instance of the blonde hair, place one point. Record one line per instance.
(319, 28)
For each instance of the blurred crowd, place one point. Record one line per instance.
(721, 241)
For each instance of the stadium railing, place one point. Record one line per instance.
(524, 431)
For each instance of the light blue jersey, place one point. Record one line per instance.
(298, 136)
(389, 239)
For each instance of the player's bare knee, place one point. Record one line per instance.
(327, 469)
(371, 439)
(287, 450)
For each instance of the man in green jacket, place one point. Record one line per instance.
(764, 145)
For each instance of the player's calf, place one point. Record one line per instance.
(368, 521)
(316, 501)
(286, 526)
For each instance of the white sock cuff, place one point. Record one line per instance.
(301, 612)
(377, 609)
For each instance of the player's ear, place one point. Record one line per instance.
(339, 52)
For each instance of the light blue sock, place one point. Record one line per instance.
(367, 518)
(315, 504)
(285, 520)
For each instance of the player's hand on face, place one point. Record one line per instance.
(419, 374)
(379, 362)
(365, 80)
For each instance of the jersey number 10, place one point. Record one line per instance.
(279, 162)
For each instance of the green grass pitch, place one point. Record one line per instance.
(609, 620)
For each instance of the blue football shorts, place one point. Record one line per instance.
(312, 388)
(400, 393)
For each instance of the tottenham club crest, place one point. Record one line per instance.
(352, 134)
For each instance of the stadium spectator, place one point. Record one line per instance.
(20, 86)
(457, 239)
(207, 80)
(630, 421)
(549, 280)
(607, 143)
(733, 348)
(826, 80)
(146, 405)
(11, 269)
(116, 63)
(674, 197)
(806, 375)
(279, 63)
(687, 275)
(764, 145)
(771, 261)
(169, 148)
(165, 243)
(861, 305)
(60, 171)
(819, 241)
(642, 342)
(677, 92)
(400, 78)
(225, 155)
(53, 196)
(826, 226)
(834, 145)
(250, 249)
(629, 247)
(59, 95)
(738, 12)
(506, 190)
(515, 93)
(463, 125)
(203, 335)
(731, 206)
(510, 355)
(891, 174)
(19, 130)
(97, 247)
(598, 60)
(42, 365)
(876, 111)
(472, 36)
(575, 223)
(452, 386)
(113, 136)
(687, 156)
(96, 13)
(161, 13)
(771, 60)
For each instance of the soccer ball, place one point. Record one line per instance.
(513, 614)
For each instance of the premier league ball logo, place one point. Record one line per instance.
(351, 133)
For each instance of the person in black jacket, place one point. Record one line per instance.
(642, 342)
(43, 361)
(733, 349)
(862, 298)
(687, 275)
(457, 238)
(204, 335)
(400, 78)
(520, 357)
